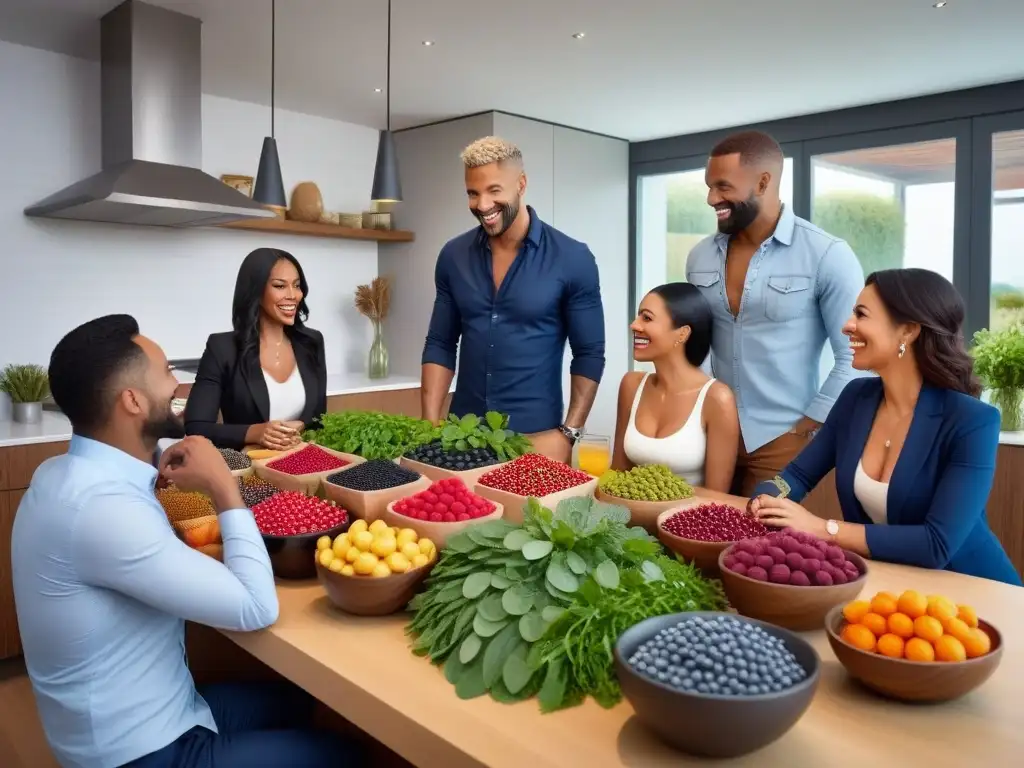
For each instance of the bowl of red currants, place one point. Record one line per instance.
(304, 467)
(699, 530)
(790, 578)
(291, 523)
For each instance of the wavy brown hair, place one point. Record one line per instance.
(929, 300)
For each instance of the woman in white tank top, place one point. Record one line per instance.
(677, 416)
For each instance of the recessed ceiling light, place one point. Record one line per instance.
(940, 4)
(579, 35)
(378, 90)
(428, 42)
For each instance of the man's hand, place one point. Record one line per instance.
(805, 426)
(553, 444)
(194, 464)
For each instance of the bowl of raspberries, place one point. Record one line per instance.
(790, 578)
(442, 510)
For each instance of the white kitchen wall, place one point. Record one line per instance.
(177, 282)
(577, 181)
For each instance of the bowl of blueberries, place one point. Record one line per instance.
(716, 684)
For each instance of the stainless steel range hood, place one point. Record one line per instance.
(151, 84)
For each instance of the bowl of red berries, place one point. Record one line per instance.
(290, 523)
(532, 475)
(442, 510)
(700, 529)
(304, 467)
(790, 578)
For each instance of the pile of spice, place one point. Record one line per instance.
(255, 489)
(184, 505)
(235, 460)
(307, 461)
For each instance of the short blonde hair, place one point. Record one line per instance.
(490, 149)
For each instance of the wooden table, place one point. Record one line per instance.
(363, 669)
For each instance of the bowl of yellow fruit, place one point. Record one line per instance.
(373, 569)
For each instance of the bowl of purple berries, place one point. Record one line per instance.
(790, 578)
(714, 684)
(699, 530)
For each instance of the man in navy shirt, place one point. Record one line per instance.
(514, 289)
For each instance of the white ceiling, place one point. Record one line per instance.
(646, 68)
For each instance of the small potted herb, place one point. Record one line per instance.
(999, 361)
(27, 386)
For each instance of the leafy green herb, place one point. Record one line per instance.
(581, 639)
(999, 357)
(470, 431)
(370, 434)
(500, 590)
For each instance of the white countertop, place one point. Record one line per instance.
(55, 427)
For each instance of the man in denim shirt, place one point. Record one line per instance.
(779, 288)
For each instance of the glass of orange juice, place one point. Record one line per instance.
(593, 454)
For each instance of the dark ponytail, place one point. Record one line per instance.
(928, 299)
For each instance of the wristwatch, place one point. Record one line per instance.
(832, 528)
(571, 433)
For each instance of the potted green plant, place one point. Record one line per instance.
(999, 361)
(27, 386)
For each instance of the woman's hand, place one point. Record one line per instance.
(279, 435)
(784, 513)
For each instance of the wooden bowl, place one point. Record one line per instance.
(291, 557)
(513, 503)
(797, 608)
(703, 554)
(642, 513)
(439, 533)
(714, 725)
(367, 596)
(307, 484)
(429, 471)
(918, 681)
(370, 505)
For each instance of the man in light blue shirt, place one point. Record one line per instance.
(103, 586)
(780, 288)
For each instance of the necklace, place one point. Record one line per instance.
(899, 421)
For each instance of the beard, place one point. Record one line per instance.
(161, 425)
(509, 211)
(741, 215)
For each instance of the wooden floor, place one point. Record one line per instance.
(22, 743)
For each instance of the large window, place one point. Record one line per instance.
(1007, 294)
(894, 205)
(674, 216)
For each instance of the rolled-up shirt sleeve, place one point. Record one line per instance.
(442, 343)
(584, 317)
(124, 543)
(840, 280)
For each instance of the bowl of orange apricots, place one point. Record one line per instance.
(914, 647)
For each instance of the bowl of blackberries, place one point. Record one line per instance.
(714, 684)
(790, 578)
(366, 489)
(435, 463)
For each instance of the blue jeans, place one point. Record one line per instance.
(262, 725)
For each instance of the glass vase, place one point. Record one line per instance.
(377, 367)
(1008, 400)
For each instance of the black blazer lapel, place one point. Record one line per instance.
(253, 375)
(916, 448)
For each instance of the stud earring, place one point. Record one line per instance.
(903, 350)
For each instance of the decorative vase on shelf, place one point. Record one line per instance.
(1009, 401)
(377, 367)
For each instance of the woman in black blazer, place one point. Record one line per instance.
(268, 377)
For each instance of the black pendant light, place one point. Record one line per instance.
(387, 186)
(269, 187)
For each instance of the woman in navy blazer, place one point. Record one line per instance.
(914, 449)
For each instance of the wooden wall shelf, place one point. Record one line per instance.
(288, 227)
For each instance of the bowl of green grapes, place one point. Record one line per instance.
(646, 491)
